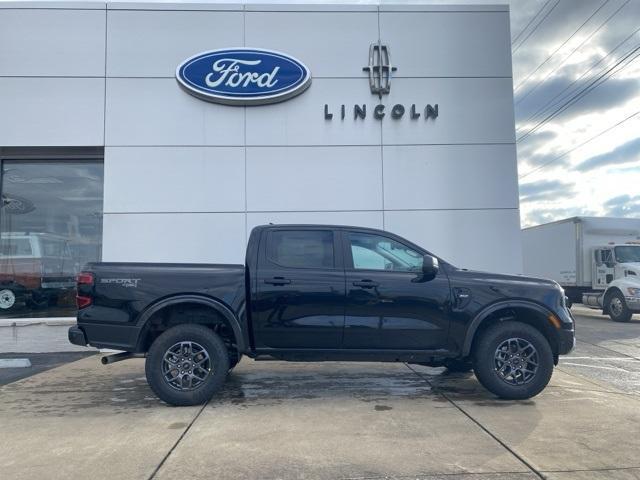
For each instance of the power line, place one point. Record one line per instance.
(555, 159)
(531, 21)
(585, 91)
(562, 45)
(571, 54)
(536, 27)
(550, 103)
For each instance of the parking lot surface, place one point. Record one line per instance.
(334, 420)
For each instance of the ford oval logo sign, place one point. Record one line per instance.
(243, 76)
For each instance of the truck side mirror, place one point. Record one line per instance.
(430, 267)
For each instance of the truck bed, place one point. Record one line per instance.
(123, 292)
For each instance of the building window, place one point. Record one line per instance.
(50, 226)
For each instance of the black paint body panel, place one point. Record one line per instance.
(318, 314)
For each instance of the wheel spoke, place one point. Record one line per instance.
(186, 365)
(203, 373)
(516, 361)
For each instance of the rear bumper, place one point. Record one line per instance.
(104, 335)
(77, 336)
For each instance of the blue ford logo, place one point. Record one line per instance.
(243, 76)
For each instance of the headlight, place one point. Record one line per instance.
(634, 292)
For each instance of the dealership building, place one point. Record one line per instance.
(164, 132)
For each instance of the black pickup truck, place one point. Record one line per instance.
(316, 292)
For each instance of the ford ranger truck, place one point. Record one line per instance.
(314, 293)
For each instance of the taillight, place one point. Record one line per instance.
(84, 281)
(84, 278)
(82, 301)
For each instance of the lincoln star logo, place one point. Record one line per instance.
(243, 76)
(379, 69)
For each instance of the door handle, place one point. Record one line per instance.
(277, 281)
(366, 284)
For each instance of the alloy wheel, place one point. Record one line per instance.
(186, 366)
(516, 361)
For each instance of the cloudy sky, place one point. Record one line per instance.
(576, 74)
(576, 77)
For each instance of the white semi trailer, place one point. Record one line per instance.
(596, 260)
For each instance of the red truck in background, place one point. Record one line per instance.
(36, 270)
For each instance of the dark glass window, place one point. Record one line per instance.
(301, 248)
(50, 226)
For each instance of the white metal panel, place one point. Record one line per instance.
(51, 111)
(471, 110)
(360, 219)
(175, 6)
(331, 44)
(52, 42)
(154, 43)
(549, 251)
(600, 231)
(152, 111)
(314, 178)
(454, 44)
(453, 176)
(175, 179)
(53, 4)
(300, 121)
(475, 239)
(174, 237)
(325, 6)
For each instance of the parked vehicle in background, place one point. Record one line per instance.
(35, 268)
(313, 293)
(596, 260)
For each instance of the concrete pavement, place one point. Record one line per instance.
(330, 420)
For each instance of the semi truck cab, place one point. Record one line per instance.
(616, 280)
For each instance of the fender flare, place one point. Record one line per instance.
(218, 306)
(480, 317)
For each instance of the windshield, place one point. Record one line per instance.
(628, 254)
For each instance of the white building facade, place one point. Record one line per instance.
(171, 177)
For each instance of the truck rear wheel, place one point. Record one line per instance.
(617, 308)
(187, 364)
(8, 299)
(513, 360)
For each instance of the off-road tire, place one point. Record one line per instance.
(458, 366)
(485, 365)
(219, 364)
(624, 315)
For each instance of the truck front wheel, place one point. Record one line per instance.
(617, 308)
(513, 360)
(187, 365)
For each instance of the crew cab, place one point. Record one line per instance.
(317, 292)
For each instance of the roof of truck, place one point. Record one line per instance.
(582, 219)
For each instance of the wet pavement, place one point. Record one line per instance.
(333, 420)
(40, 362)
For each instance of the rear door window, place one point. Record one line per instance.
(301, 248)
